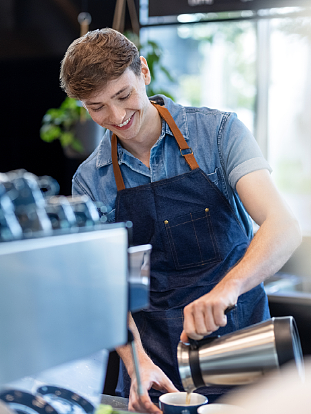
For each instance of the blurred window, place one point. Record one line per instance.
(289, 126)
(258, 68)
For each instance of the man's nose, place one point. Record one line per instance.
(116, 115)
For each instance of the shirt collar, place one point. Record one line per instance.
(177, 111)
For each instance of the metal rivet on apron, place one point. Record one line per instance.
(206, 210)
(165, 221)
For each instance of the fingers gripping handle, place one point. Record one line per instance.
(194, 362)
(194, 344)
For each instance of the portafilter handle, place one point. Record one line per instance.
(130, 339)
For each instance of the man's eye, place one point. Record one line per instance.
(125, 97)
(97, 109)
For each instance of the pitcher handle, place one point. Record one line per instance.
(194, 344)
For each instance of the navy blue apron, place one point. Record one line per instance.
(196, 238)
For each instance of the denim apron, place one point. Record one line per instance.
(196, 238)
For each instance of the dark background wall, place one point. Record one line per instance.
(34, 35)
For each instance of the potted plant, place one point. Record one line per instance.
(72, 125)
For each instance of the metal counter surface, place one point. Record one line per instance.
(117, 403)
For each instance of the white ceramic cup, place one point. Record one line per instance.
(220, 409)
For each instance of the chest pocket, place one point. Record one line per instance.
(192, 240)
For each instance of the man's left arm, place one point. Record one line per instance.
(275, 241)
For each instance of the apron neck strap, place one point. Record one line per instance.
(185, 150)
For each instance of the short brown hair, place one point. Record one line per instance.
(96, 58)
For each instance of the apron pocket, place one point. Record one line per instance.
(192, 240)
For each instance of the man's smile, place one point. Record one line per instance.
(125, 123)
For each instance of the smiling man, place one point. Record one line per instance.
(190, 180)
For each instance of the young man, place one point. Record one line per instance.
(189, 179)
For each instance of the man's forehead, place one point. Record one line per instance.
(110, 89)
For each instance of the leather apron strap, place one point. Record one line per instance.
(116, 168)
(185, 150)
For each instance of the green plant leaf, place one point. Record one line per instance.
(167, 73)
(70, 103)
(66, 138)
(58, 123)
(50, 132)
(76, 145)
(52, 114)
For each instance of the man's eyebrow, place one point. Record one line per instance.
(92, 103)
(120, 91)
(113, 96)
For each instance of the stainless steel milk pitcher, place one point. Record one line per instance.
(240, 357)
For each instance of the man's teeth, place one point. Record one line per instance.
(125, 122)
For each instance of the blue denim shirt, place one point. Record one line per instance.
(222, 145)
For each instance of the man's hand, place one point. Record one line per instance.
(151, 377)
(206, 314)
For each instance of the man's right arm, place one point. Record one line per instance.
(151, 375)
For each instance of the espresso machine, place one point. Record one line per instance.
(68, 280)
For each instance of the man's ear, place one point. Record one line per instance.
(145, 70)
